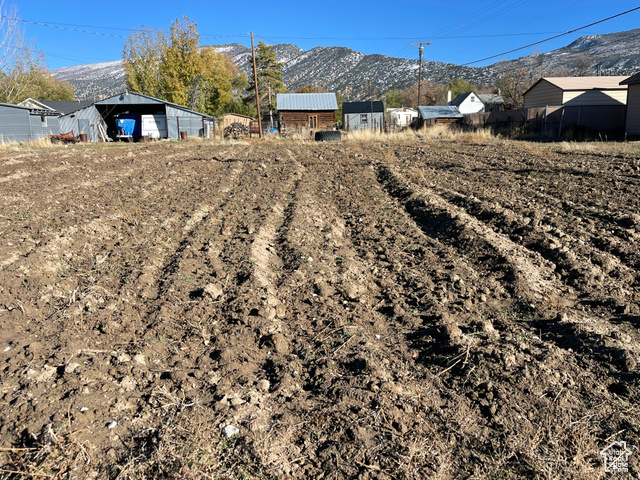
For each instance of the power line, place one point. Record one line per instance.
(68, 27)
(72, 27)
(526, 62)
(551, 38)
(61, 27)
(446, 37)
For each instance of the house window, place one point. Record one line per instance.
(473, 99)
(43, 119)
(364, 118)
(313, 121)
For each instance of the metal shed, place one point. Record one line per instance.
(100, 117)
(25, 124)
(362, 115)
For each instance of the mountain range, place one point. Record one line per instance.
(356, 75)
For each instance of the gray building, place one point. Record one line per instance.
(25, 124)
(362, 115)
(633, 104)
(98, 120)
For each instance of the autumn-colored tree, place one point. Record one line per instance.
(23, 70)
(142, 57)
(516, 79)
(181, 67)
(175, 68)
(311, 88)
(44, 87)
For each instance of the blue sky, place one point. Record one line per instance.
(460, 32)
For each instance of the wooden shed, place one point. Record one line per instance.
(632, 127)
(306, 112)
(576, 92)
(229, 118)
(439, 115)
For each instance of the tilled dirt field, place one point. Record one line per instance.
(426, 309)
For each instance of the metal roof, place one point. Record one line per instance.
(65, 107)
(128, 98)
(631, 80)
(584, 83)
(461, 97)
(491, 98)
(439, 112)
(33, 111)
(307, 101)
(362, 107)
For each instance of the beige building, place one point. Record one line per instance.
(576, 92)
(229, 118)
(633, 104)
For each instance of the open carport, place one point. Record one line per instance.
(98, 120)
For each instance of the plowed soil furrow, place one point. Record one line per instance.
(577, 270)
(538, 285)
(438, 338)
(562, 207)
(394, 310)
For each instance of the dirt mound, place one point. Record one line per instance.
(283, 310)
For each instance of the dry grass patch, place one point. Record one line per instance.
(52, 455)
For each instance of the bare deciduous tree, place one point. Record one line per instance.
(21, 64)
(516, 79)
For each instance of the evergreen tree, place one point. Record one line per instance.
(460, 85)
(269, 73)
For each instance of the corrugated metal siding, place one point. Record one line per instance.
(40, 129)
(353, 121)
(73, 121)
(186, 121)
(633, 110)
(14, 124)
(306, 101)
(594, 97)
(543, 94)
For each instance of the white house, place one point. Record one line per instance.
(402, 117)
(467, 103)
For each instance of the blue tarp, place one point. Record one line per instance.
(129, 124)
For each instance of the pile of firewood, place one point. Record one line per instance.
(236, 130)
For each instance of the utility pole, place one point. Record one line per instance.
(421, 50)
(371, 100)
(270, 111)
(255, 81)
